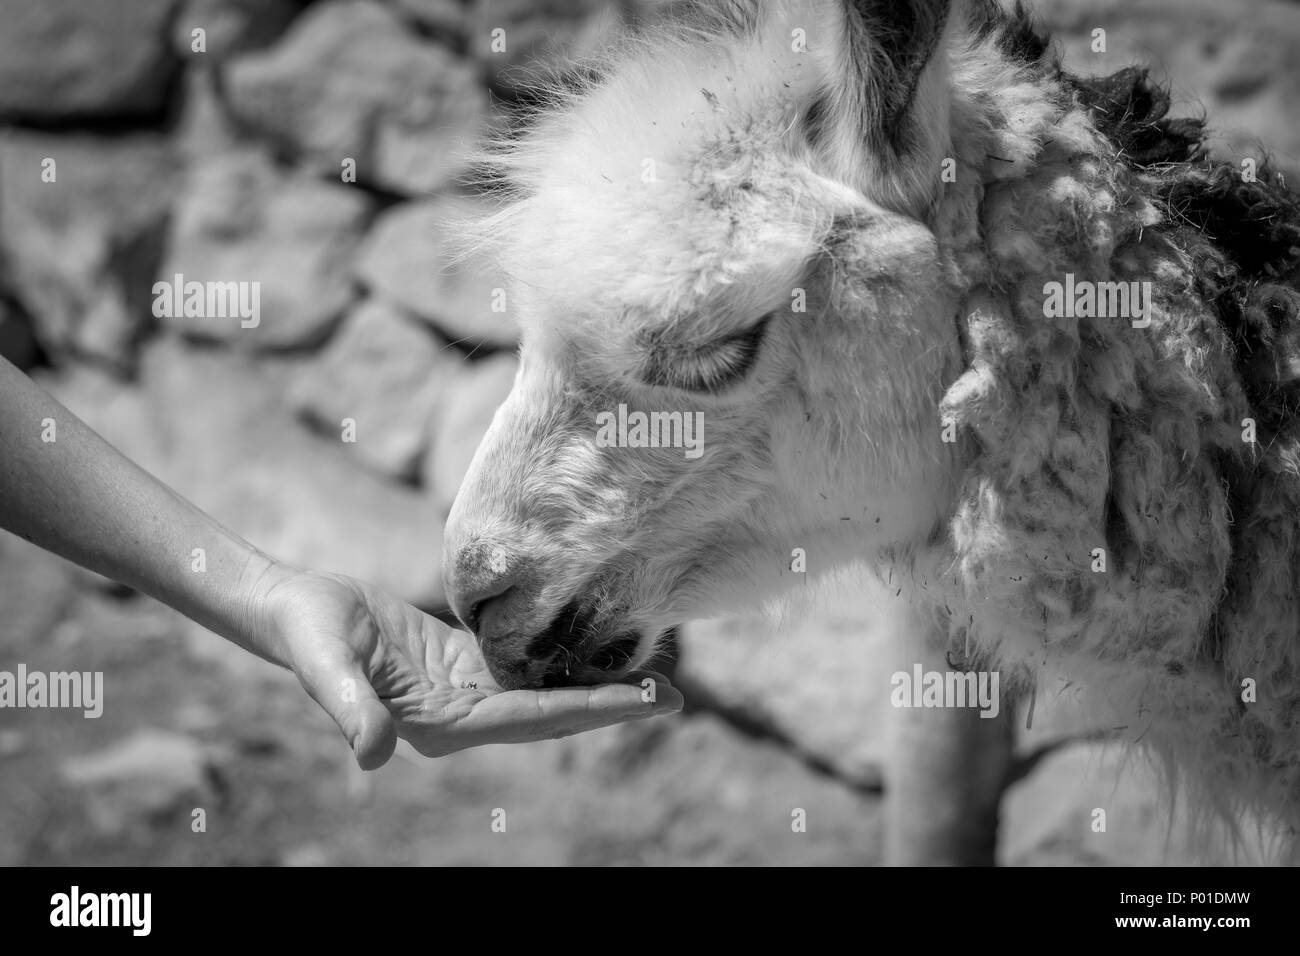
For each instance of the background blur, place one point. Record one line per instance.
(227, 164)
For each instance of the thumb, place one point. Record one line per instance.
(343, 691)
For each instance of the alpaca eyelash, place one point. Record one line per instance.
(710, 368)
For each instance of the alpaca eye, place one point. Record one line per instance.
(707, 368)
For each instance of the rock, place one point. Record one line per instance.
(388, 374)
(63, 60)
(12, 743)
(68, 635)
(206, 649)
(1230, 64)
(230, 26)
(1048, 819)
(307, 854)
(244, 221)
(408, 257)
(205, 127)
(348, 81)
(35, 598)
(823, 684)
(82, 250)
(17, 337)
(443, 16)
(150, 775)
(217, 427)
(518, 39)
(196, 717)
(460, 424)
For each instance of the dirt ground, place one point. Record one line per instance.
(205, 755)
(227, 734)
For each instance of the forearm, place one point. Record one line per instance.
(64, 488)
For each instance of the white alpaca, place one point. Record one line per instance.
(824, 226)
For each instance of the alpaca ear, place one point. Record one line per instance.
(889, 45)
(883, 116)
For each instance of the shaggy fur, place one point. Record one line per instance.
(1092, 434)
(774, 172)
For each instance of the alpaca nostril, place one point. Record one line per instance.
(472, 617)
(479, 575)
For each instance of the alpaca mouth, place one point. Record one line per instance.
(579, 653)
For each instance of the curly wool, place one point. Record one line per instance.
(1088, 433)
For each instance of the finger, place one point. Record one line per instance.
(340, 686)
(638, 677)
(666, 698)
(518, 716)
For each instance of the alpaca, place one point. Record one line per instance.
(839, 231)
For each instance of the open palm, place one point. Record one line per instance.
(384, 669)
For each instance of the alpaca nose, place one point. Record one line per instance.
(479, 575)
(493, 590)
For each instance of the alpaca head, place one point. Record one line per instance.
(718, 247)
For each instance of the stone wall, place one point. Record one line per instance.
(318, 151)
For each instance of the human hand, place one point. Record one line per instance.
(382, 669)
(379, 667)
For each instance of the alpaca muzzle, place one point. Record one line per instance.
(498, 595)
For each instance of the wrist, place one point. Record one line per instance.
(256, 616)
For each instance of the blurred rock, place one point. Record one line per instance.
(68, 635)
(308, 854)
(230, 26)
(471, 400)
(149, 775)
(205, 127)
(348, 81)
(1050, 819)
(12, 743)
(408, 257)
(518, 40)
(443, 16)
(17, 337)
(83, 249)
(677, 790)
(196, 717)
(63, 60)
(216, 426)
(388, 374)
(1234, 64)
(242, 220)
(822, 683)
(35, 597)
